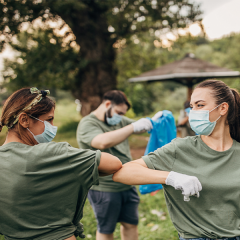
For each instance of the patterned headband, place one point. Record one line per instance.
(36, 100)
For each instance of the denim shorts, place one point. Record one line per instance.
(112, 207)
(234, 238)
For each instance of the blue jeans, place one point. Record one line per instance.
(234, 238)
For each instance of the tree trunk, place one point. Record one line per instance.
(97, 72)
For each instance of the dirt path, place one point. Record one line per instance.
(137, 152)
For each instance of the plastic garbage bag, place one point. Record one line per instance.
(163, 132)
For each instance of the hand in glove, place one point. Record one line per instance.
(189, 185)
(157, 115)
(142, 124)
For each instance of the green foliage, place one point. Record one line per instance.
(50, 60)
(4, 94)
(130, 113)
(43, 60)
(68, 127)
(126, 17)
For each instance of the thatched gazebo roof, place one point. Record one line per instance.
(187, 71)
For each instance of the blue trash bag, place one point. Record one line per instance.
(163, 132)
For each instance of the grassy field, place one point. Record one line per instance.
(154, 221)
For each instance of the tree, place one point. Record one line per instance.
(96, 25)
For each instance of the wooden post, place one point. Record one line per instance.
(189, 92)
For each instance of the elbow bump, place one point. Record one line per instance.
(115, 177)
(118, 164)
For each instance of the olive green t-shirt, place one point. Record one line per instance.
(216, 213)
(43, 189)
(88, 128)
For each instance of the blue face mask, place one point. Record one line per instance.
(48, 134)
(199, 121)
(114, 120)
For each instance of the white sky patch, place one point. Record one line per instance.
(223, 20)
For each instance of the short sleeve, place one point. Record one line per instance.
(85, 164)
(87, 130)
(126, 121)
(163, 158)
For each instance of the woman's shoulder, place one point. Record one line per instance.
(236, 145)
(187, 141)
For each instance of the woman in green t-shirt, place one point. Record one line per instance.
(43, 184)
(212, 156)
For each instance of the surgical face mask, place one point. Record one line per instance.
(200, 123)
(114, 120)
(48, 134)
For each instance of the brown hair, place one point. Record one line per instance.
(116, 97)
(222, 93)
(15, 104)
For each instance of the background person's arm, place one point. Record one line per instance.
(184, 121)
(110, 139)
(109, 164)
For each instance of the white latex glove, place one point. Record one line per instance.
(142, 124)
(189, 185)
(157, 115)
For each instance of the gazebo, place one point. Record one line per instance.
(187, 71)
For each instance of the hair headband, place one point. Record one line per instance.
(36, 100)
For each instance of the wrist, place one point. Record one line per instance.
(131, 128)
(163, 177)
(170, 179)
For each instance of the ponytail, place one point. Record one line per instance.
(222, 93)
(234, 119)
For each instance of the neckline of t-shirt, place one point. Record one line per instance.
(93, 115)
(214, 151)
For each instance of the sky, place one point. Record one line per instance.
(221, 17)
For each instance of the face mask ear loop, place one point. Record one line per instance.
(215, 108)
(218, 118)
(36, 118)
(30, 132)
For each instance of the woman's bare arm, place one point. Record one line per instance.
(137, 173)
(109, 164)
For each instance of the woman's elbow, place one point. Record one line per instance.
(119, 175)
(117, 165)
(115, 177)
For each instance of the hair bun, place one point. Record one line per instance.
(44, 93)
